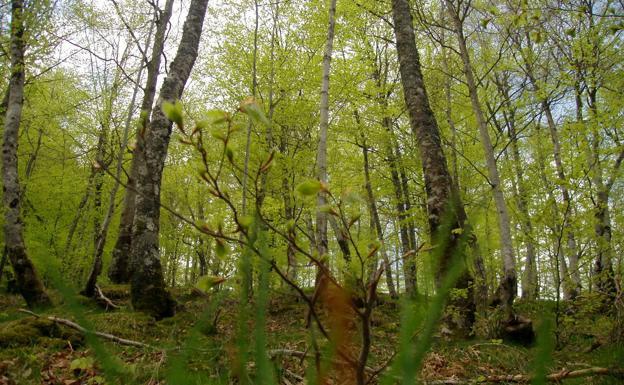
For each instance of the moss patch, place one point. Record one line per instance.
(32, 331)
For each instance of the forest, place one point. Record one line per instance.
(312, 192)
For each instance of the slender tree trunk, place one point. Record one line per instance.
(603, 264)
(147, 284)
(119, 270)
(248, 270)
(321, 157)
(571, 277)
(28, 282)
(508, 288)
(380, 75)
(372, 205)
(201, 247)
(102, 231)
(409, 265)
(556, 228)
(441, 201)
(480, 277)
(571, 283)
(289, 211)
(529, 281)
(98, 182)
(410, 260)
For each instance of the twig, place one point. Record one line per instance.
(107, 302)
(295, 376)
(73, 325)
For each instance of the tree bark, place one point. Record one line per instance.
(570, 276)
(102, 230)
(480, 277)
(508, 287)
(380, 74)
(28, 282)
(147, 283)
(119, 269)
(321, 156)
(372, 205)
(605, 280)
(441, 201)
(529, 281)
(98, 182)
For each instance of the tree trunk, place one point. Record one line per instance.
(603, 264)
(529, 281)
(571, 277)
(98, 181)
(409, 261)
(28, 282)
(289, 211)
(102, 231)
(508, 288)
(147, 284)
(441, 202)
(119, 269)
(372, 205)
(321, 157)
(572, 284)
(480, 277)
(380, 74)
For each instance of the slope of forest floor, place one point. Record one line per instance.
(202, 341)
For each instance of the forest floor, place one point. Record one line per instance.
(200, 343)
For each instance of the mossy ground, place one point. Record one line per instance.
(194, 349)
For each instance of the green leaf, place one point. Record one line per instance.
(218, 134)
(207, 282)
(309, 187)
(217, 116)
(254, 111)
(202, 124)
(245, 221)
(173, 112)
(326, 209)
(82, 363)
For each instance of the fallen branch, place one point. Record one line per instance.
(101, 297)
(561, 375)
(73, 325)
(523, 378)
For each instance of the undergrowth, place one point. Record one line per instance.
(201, 345)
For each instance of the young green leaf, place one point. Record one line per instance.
(245, 221)
(217, 116)
(173, 112)
(207, 282)
(250, 107)
(309, 187)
